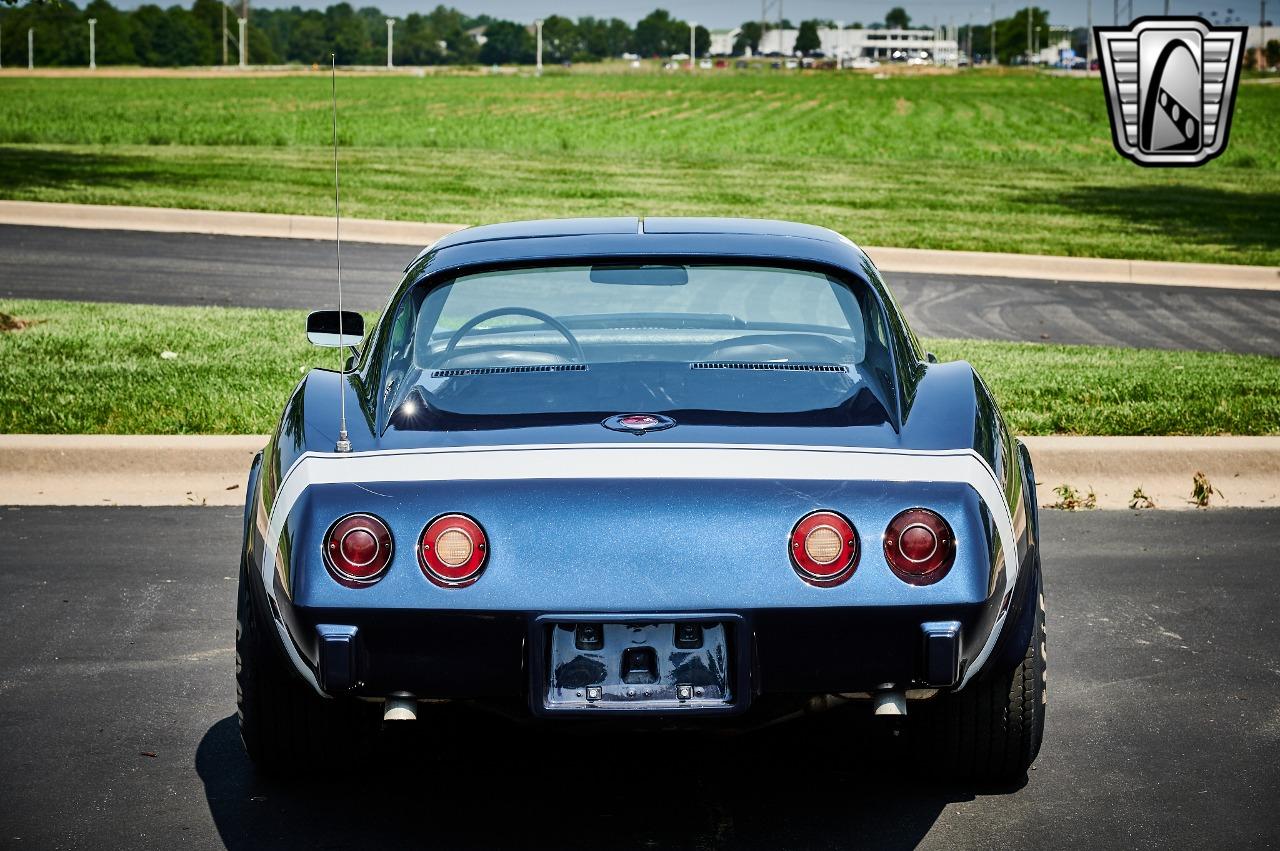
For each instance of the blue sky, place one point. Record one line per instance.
(727, 13)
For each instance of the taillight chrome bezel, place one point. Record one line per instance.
(928, 569)
(839, 568)
(340, 567)
(453, 575)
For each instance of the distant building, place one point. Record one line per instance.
(722, 41)
(847, 44)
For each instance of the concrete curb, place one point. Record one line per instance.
(217, 222)
(914, 260)
(211, 469)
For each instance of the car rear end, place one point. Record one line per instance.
(668, 578)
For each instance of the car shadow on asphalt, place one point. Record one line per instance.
(493, 785)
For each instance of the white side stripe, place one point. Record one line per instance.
(653, 461)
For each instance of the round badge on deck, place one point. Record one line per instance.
(638, 423)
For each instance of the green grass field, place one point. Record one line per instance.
(1000, 162)
(97, 368)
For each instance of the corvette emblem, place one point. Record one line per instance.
(638, 423)
(1171, 86)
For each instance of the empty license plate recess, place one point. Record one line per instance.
(593, 664)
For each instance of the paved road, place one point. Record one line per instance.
(222, 270)
(118, 727)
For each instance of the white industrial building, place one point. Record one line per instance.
(847, 44)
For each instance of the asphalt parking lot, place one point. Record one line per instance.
(118, 725)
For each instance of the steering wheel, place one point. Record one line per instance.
(467, 327)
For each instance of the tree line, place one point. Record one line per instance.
(178, 36)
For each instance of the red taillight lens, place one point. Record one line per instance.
(824, 548)
(358, 549)
(453, 550)
(919, 546)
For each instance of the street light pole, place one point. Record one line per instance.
(244, 26)
(992, 58)
(31, 44)
(538, 25)
(391, 22)
(839, 42)
(93, 51)
(1088, 40)
(1262, 24)
(1028, 36)
(693, 28)
(224, 32)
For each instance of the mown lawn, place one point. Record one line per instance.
(98, 368)
(1001, 162)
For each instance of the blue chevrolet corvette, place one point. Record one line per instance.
(633, 470)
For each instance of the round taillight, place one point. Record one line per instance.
(919, 546)
(453, 550)
(357, 549)
(824, 548)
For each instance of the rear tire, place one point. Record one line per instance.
(284, 725)
(991, 730)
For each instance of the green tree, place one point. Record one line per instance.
(417, 42)
(807, 40)
(658, 34)
(305, 39)
(1011, 33)
(346, 34)
(112, 34)
(897, 18)
(261, 51)
(601, 38)
(560, 41)
(170, 37)
(701, 40)
(749, 35)
(507, 42)
(451, 27)
(1273, 53)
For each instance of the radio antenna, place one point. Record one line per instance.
(344, 443)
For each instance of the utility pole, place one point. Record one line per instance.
(1088, 40)
(1, 46)
(224, 33)
(693, 54)
(1166, 8)
(93, 48)
(391, 23)
(538, 25)
(244, 33)
(1028, 36)
(839, 43)
(31, 46)
(992, 58)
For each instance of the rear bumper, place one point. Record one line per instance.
(477, 655)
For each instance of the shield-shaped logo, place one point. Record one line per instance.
(1171, 87)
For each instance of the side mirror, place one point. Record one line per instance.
(325, 329)
(930, 357)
